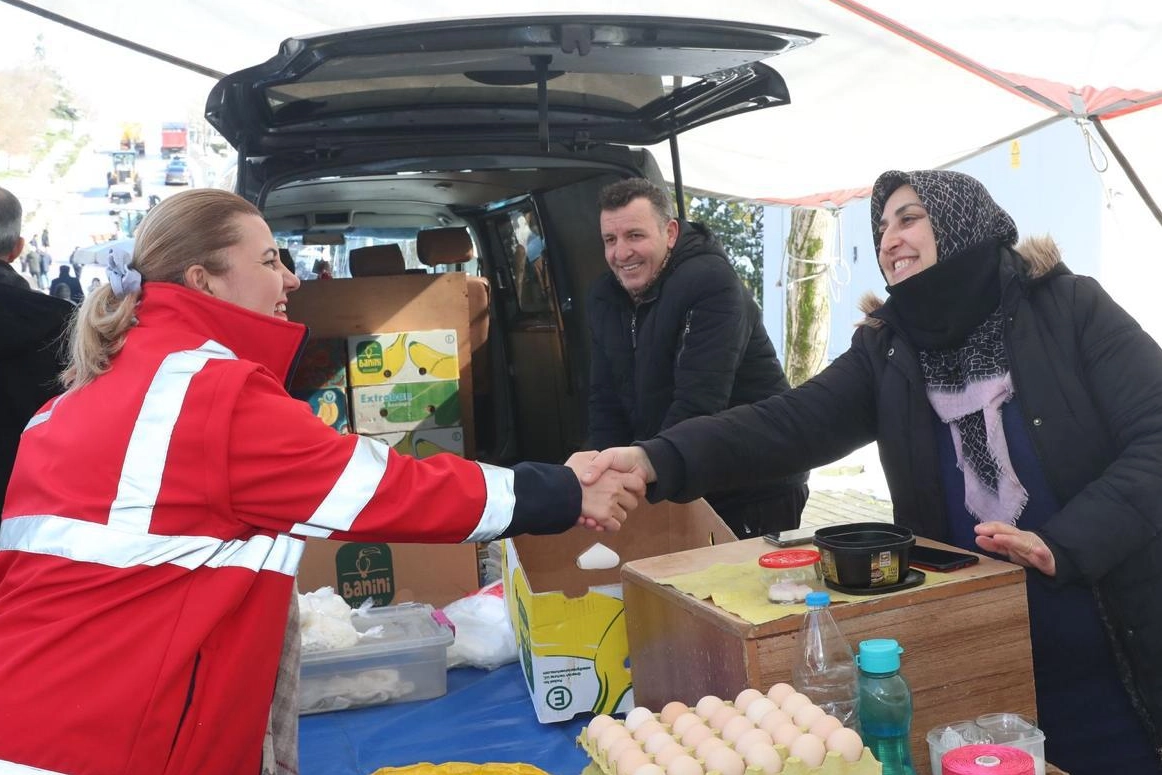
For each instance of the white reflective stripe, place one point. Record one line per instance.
(12, 768)
(44, 416)
(82, 541)
(499, 502)
(351, 493)
(145, 457)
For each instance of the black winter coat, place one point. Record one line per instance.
(31, 325)
(694, 346)
(1090, 382)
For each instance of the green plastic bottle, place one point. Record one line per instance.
(885, 705)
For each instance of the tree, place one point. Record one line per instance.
(27, 100)
(739, 226)
(808, 288)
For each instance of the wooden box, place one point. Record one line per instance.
(966, 643)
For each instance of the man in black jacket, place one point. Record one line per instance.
(676, 335)
(31, 325)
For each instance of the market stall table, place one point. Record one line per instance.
(484, 717)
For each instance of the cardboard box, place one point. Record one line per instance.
(402, 356)
(323, 364)
(425, 442)
(390, 573)
(405, 407)
(329, 405)
(683, 648)
(570, 623)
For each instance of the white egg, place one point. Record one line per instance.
(721, 715)
(726, 761)
(649, 769)
(793, 702)
(765, 759)
(695, 735)
(619, 747)
(647, 728)
(707, 705)
(773, 720)
(610, 735)
(847, 742)
(786, 734)
(668, 754)
(684, 722)
(657, 741)
(736, 727)
(810, 749)
(759, 708)
(631, 761)
(753, 737)
(780, 692)
(807, 715)
(672, 710)
(708, 745)
(597, 724)
(745, 698)
(635, 717)
(684, 765)
(825, 726)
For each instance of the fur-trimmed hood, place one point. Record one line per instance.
(1039, 256)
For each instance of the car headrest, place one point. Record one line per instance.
(451, 245)
(377, 261)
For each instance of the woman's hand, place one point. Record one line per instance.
(1023, 547)
(606, 498)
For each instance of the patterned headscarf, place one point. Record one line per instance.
(967, 379)
(962, 212)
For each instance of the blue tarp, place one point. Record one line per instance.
(484, 717)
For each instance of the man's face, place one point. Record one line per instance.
(636, 243)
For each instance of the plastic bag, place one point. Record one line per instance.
(484, 636)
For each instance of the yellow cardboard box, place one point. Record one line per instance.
(425, 442)
(402, 356)
(570, 623)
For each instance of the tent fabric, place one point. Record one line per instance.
(898, 84)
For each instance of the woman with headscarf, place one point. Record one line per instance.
(1018, 410)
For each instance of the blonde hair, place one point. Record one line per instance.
(194, 227)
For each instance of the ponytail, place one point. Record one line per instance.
(98, 333)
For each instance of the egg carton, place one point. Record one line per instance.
(833, 763)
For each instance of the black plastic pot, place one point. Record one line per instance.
(864, 555)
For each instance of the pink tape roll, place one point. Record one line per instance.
(987, 760)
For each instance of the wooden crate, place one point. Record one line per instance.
(966, 643)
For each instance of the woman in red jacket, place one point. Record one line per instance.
(156, 512)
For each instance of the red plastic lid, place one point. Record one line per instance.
(789, 558)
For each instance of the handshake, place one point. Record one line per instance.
(612, 481)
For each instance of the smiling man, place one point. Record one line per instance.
(676, 335)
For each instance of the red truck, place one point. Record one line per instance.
(174, 136)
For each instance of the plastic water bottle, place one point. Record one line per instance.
(825, 667)
(885, 705)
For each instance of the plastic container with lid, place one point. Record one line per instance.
(792, 566)
(1011, 729)
(402, 657)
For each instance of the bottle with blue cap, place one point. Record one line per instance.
(824, 669)
(885, 705)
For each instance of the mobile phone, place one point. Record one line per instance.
(802, 535)
(928, 558)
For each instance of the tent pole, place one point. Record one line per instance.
(676, 163)
(1125, 164)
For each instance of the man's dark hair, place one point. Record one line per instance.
(11, 214)
(617, 195)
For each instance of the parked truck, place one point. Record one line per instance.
(131, 139)
(174, 138)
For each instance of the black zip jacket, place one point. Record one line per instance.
(1090, 381)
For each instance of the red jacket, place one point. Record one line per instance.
(152, 530)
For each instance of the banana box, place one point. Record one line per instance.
(322, 364)
(329, 405)
(570, 623)
(402, 356)
(407, 406)
(425, 442)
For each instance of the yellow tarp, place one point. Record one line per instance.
(462, 768)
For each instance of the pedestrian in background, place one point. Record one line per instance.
(65, 286)
(31, 329)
